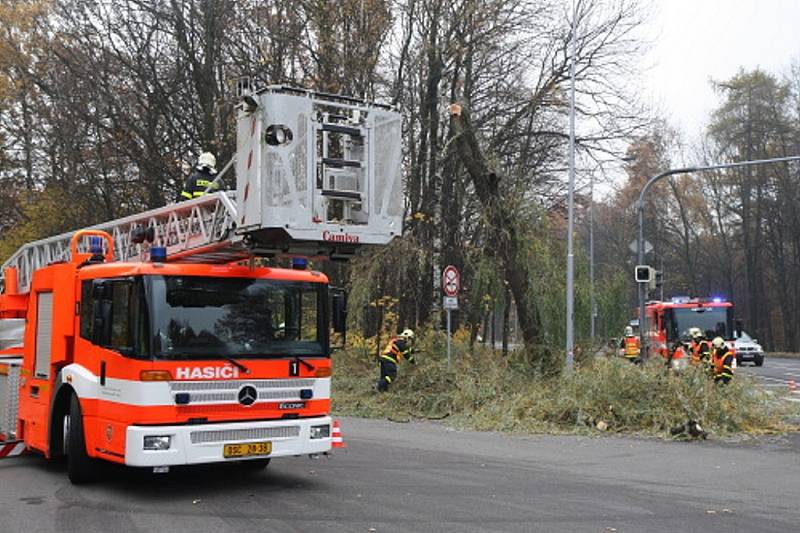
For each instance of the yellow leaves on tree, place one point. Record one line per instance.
(16, 38)
(44, 215)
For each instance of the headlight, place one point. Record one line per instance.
(157, 442)
(321, 432)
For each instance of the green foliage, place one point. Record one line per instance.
(483, 390)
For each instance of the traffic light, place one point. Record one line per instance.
(644, 274)
(658, 280)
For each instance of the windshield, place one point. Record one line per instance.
(196, 317)
(713, 321)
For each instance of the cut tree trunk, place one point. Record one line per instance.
(502, 223)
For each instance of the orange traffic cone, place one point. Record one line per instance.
(338, 441)
(792, 385)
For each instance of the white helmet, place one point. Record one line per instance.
(695, 332)
(207, 160)
(408, 334)
(718, 342)
(628, 331)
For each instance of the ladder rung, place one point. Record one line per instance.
(350, 195)
(339, 163)
(347, 130)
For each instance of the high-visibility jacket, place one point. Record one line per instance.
(197, 183)
(631, 346)
(722, 361)
(701, 351)
(397, 350)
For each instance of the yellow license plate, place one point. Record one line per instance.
(247, 449)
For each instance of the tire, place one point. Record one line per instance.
(759, 361)
(255, 464)
(80, 467)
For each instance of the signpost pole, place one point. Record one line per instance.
(451, 284)
(448, 339)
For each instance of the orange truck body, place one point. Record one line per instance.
(211, 408)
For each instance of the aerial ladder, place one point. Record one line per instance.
(109, 331)
(316, 175)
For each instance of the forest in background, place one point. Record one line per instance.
(101, 102)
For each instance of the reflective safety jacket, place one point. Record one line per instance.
(397, 350)
(701, 351)
(631, 346)
(722, 362)
(197, 183)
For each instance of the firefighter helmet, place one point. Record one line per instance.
(628, 331)
(207, 160)
(718, 342)
(695, 333)
(408, 334)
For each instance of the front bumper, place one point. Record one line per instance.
(749, 356)
(203, 443)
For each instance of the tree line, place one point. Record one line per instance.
(102, 101)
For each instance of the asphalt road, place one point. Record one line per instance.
(776, 374)
(428, 478)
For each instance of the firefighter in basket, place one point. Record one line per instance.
(399, 348)
(201, 178)
(630, 345)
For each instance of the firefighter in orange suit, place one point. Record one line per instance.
(630, 345)
(399, 348)
(722, 361)
(701, 348)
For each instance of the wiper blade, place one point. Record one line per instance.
(303, 362)
(237, 364)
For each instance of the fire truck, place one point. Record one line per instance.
(158, 339)
(667, 325)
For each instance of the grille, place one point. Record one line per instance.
(196, 386)
(228, 435)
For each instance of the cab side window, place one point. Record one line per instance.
(111, 315)
(87, 310)
(121, 319)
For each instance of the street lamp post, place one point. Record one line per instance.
(593, 303)
(571, 201)
(640, 206)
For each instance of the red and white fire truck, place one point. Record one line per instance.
(156, 340)
(667, 325)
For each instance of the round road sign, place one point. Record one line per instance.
(451, 281)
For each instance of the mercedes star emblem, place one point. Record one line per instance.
(247, 395)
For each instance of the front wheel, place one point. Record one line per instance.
(80, 467)
(759, 361)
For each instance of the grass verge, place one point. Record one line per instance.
(483, 390)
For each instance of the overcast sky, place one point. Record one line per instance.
(699, 40)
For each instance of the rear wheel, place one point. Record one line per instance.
(80, 467)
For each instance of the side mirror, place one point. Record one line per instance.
(101, 316)
(338, 300)
(339, 310)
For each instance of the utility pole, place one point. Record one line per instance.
(593, 303)
(571, 202)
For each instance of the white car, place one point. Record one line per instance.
(748, 349)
